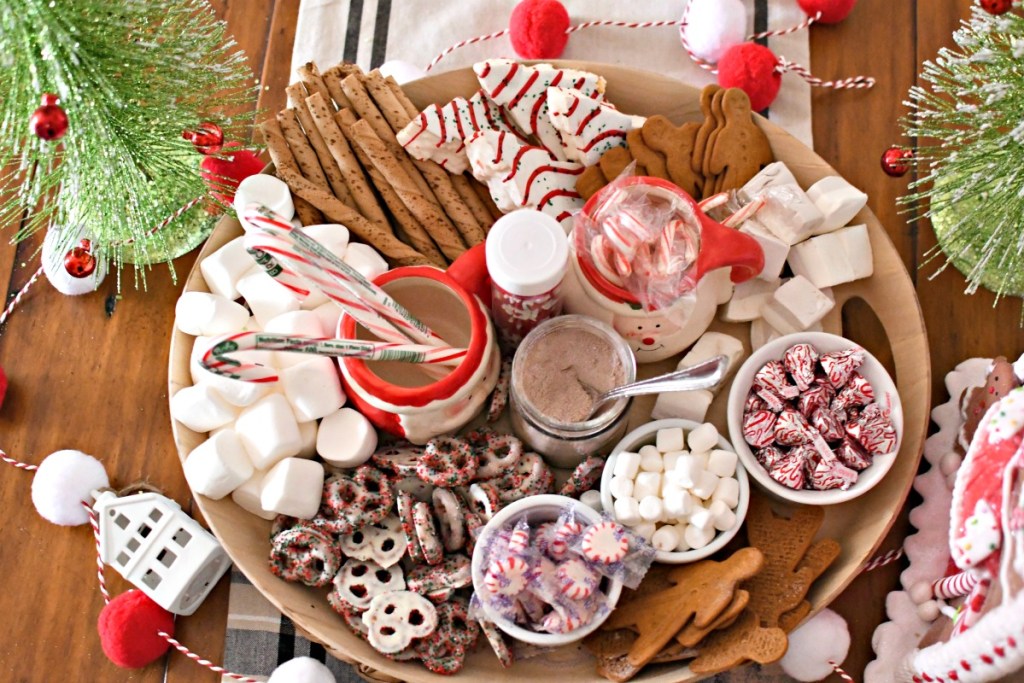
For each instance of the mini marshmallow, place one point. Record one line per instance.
(748, 299)
(346, 438)
(796, 305)
(705, 485)
(687, 405)
(703, 438)
(838, 200)
(670, 439)
(627, 511)
(669, 460)
(651, 508)
(269, 431)
(728, 491)
(366, 261)
(700, 459)
(201, 408)
(294, 487)
(722, 462)
(217, 466)
(329, 315)
(313, 388)
(666, 538)
(679, 505)
(202, 313)
(247, 496)
(647, 484)
(682, 546)
(688, 469)
(225, 267)
(651, 459)
(697, 538)
(294, 324)
(265, 189)
(307, 435)
(646, 530)
(722, 517)
(776, 250)
(592, 499)
(701, 517)
(621, 487)
(626, 465)
(267, 299)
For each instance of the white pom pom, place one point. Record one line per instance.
(302, 670)
(62, 482)
(56, 245)
(714, 26)
(402, 71)
(921, 592)
(822, 639)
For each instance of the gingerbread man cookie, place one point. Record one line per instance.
(676, 143)
(739, 149)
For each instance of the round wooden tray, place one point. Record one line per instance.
(859, 525)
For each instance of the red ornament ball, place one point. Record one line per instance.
(49, 122)
(79, 261)
(997, 6)
(537, 29)
(208, 139)
(751, 68)
(832, 11)
(896, 161)
(128, 628)
(225, 171)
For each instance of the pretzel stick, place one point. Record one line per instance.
(311, 78)
(427, 213)
(332, 79)
(301, 149)
(337, 144)
(335, 178)
(413, 230)
(306, 212)
(396, 251)
(367, 110)
(440, 181)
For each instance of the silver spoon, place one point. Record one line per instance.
(703, 375)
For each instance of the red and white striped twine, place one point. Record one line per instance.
(94, 522)
(841, 673)
(806, 23)
(463, 43)
(19, 296)
(204, 662)
(853, 82)
(883, 559)
(17, 463)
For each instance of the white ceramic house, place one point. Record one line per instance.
(160, 549)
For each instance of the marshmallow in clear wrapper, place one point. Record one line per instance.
(312, 387)
(346, 438)
(837, 200)
(201, 409)
(293, 487)
(266, 190)
(269, 431)
(202, 313)
(225, 267)
(218, 466)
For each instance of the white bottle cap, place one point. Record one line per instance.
(527, 253)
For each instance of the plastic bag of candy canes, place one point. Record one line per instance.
(640, 235)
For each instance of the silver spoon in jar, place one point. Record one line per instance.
(703, 375)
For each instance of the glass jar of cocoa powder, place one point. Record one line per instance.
(558, 371)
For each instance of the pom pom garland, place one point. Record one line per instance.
(713, 26)
(302, 670)
(129, 626)
(227, 169)
(537, 29)
(64, 481)
(754, 69)
(817, 648)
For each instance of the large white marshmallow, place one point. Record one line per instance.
(202, 313)
(686, 405)
(334, 238)
(365, 260)
(834, 258)
(294, 324)
(269, 431)
(267, 299)
(225, 267)
(293, 487)
(265, 189)
(247, 496)
(235, 392)
(748, 298)
(346, 438)
(838, 200)
(313, 388)
(796, 305)
(775, 250)
(201, 408)
(713, 344)
(307, 434)
(217, 466)
(329, 315)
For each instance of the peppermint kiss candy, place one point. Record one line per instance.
(773, 377)
(852, 455)
(769, 456)
(791, 428)
(818, 396)
(857, 392)
(832, 474)
(799, 361)
(759, 428)
(839, 365)
(576, 579)
(873, 430)
(605, 542)
(827, 424)
(773, 402)
(753, 403)
(789, 471)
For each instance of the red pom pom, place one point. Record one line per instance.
(223, 173)
(3, 386)
(751, 68)
(832, 11)
(128, 628)
(537, 29)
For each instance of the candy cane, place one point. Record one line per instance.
(970, 611)
(955, 586)
(218, 358)
(745, 213)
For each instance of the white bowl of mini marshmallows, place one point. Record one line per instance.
(679, 484)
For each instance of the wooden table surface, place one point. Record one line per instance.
(85, 380)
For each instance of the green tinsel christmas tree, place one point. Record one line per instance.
(131, 76)
(969, 121)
